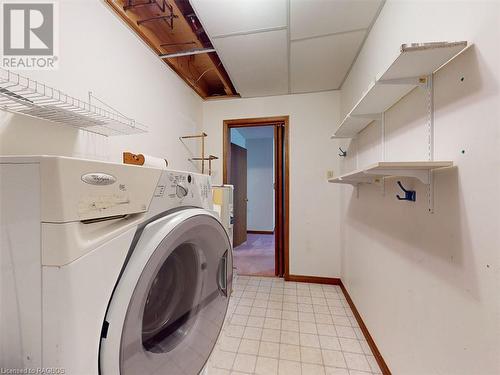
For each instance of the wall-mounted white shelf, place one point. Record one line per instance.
(353, 178)
(371, 174)
(22, 95)
(410, 69)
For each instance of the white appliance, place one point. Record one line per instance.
(223, 205)
(109, 268)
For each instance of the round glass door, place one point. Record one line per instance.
(173, 299)
(179, 303)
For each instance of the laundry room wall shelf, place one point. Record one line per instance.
(202, 158)
(410, 69)
(420, 170)
(23, 95)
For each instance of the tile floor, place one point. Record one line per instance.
(287, 328)
(256, 255)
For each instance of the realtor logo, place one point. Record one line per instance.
(29, 35)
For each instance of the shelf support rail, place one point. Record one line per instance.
(430, 144)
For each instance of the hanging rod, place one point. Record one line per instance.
(177, 44)
(210, 157)
(164, 5)
(202, 135)
(195, 51)
(131, 5)
(169, 17)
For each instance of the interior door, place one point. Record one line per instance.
(170, 303)
(238, 178)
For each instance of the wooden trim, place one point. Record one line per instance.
(371, 343)
(226, 143)
(278, 203)
(313, 279)
(260, 231)
(287, 197)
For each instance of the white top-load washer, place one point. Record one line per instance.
(108, 268)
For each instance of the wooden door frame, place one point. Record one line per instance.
(226, 150)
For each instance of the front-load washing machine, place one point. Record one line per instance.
(108, 268)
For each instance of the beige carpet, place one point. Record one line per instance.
(255, 256)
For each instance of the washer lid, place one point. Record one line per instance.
(169, 305)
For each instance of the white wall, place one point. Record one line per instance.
(427, 285)
(314, 226)
(99, 53)
(260, 184)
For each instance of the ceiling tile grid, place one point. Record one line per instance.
(321, 64)
(275, 47)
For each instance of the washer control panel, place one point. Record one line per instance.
(175, 189)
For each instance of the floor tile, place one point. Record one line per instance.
(343, 331)
(224, 360)
(290, 352)
(276, 327)
(273, 313)
(356, 361)
(272, 335)
(269, 349)
(312, 369)
(305, 307)
(290, 325)
(306, 317)
(288, 337)
(255, 321)
(245, 363)
(310, 340)
(289, 368)
(350, 345)
(229, 344)
(373, 364)
(290, 315)
(249, 347)
(272, 323)
(310, 355)
(252, 333)
(326, 329)
(329, 342)
(333, 358)
(336, 371)
(234, 331)
(323, 318)
(266, 366)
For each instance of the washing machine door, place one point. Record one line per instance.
(170, 302)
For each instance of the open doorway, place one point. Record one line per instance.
(256, 164)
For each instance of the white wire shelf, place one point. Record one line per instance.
(19, 94)
(371, 174)
(408, 70)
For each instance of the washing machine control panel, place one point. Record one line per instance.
(175, 189)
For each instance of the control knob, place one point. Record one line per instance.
(181, 191)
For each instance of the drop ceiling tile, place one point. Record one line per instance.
(322, 63)
(222, 17)
(257, 63)
(310, 18)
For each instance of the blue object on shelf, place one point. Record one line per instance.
(410, 195)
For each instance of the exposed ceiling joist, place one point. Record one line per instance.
(173, 32)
